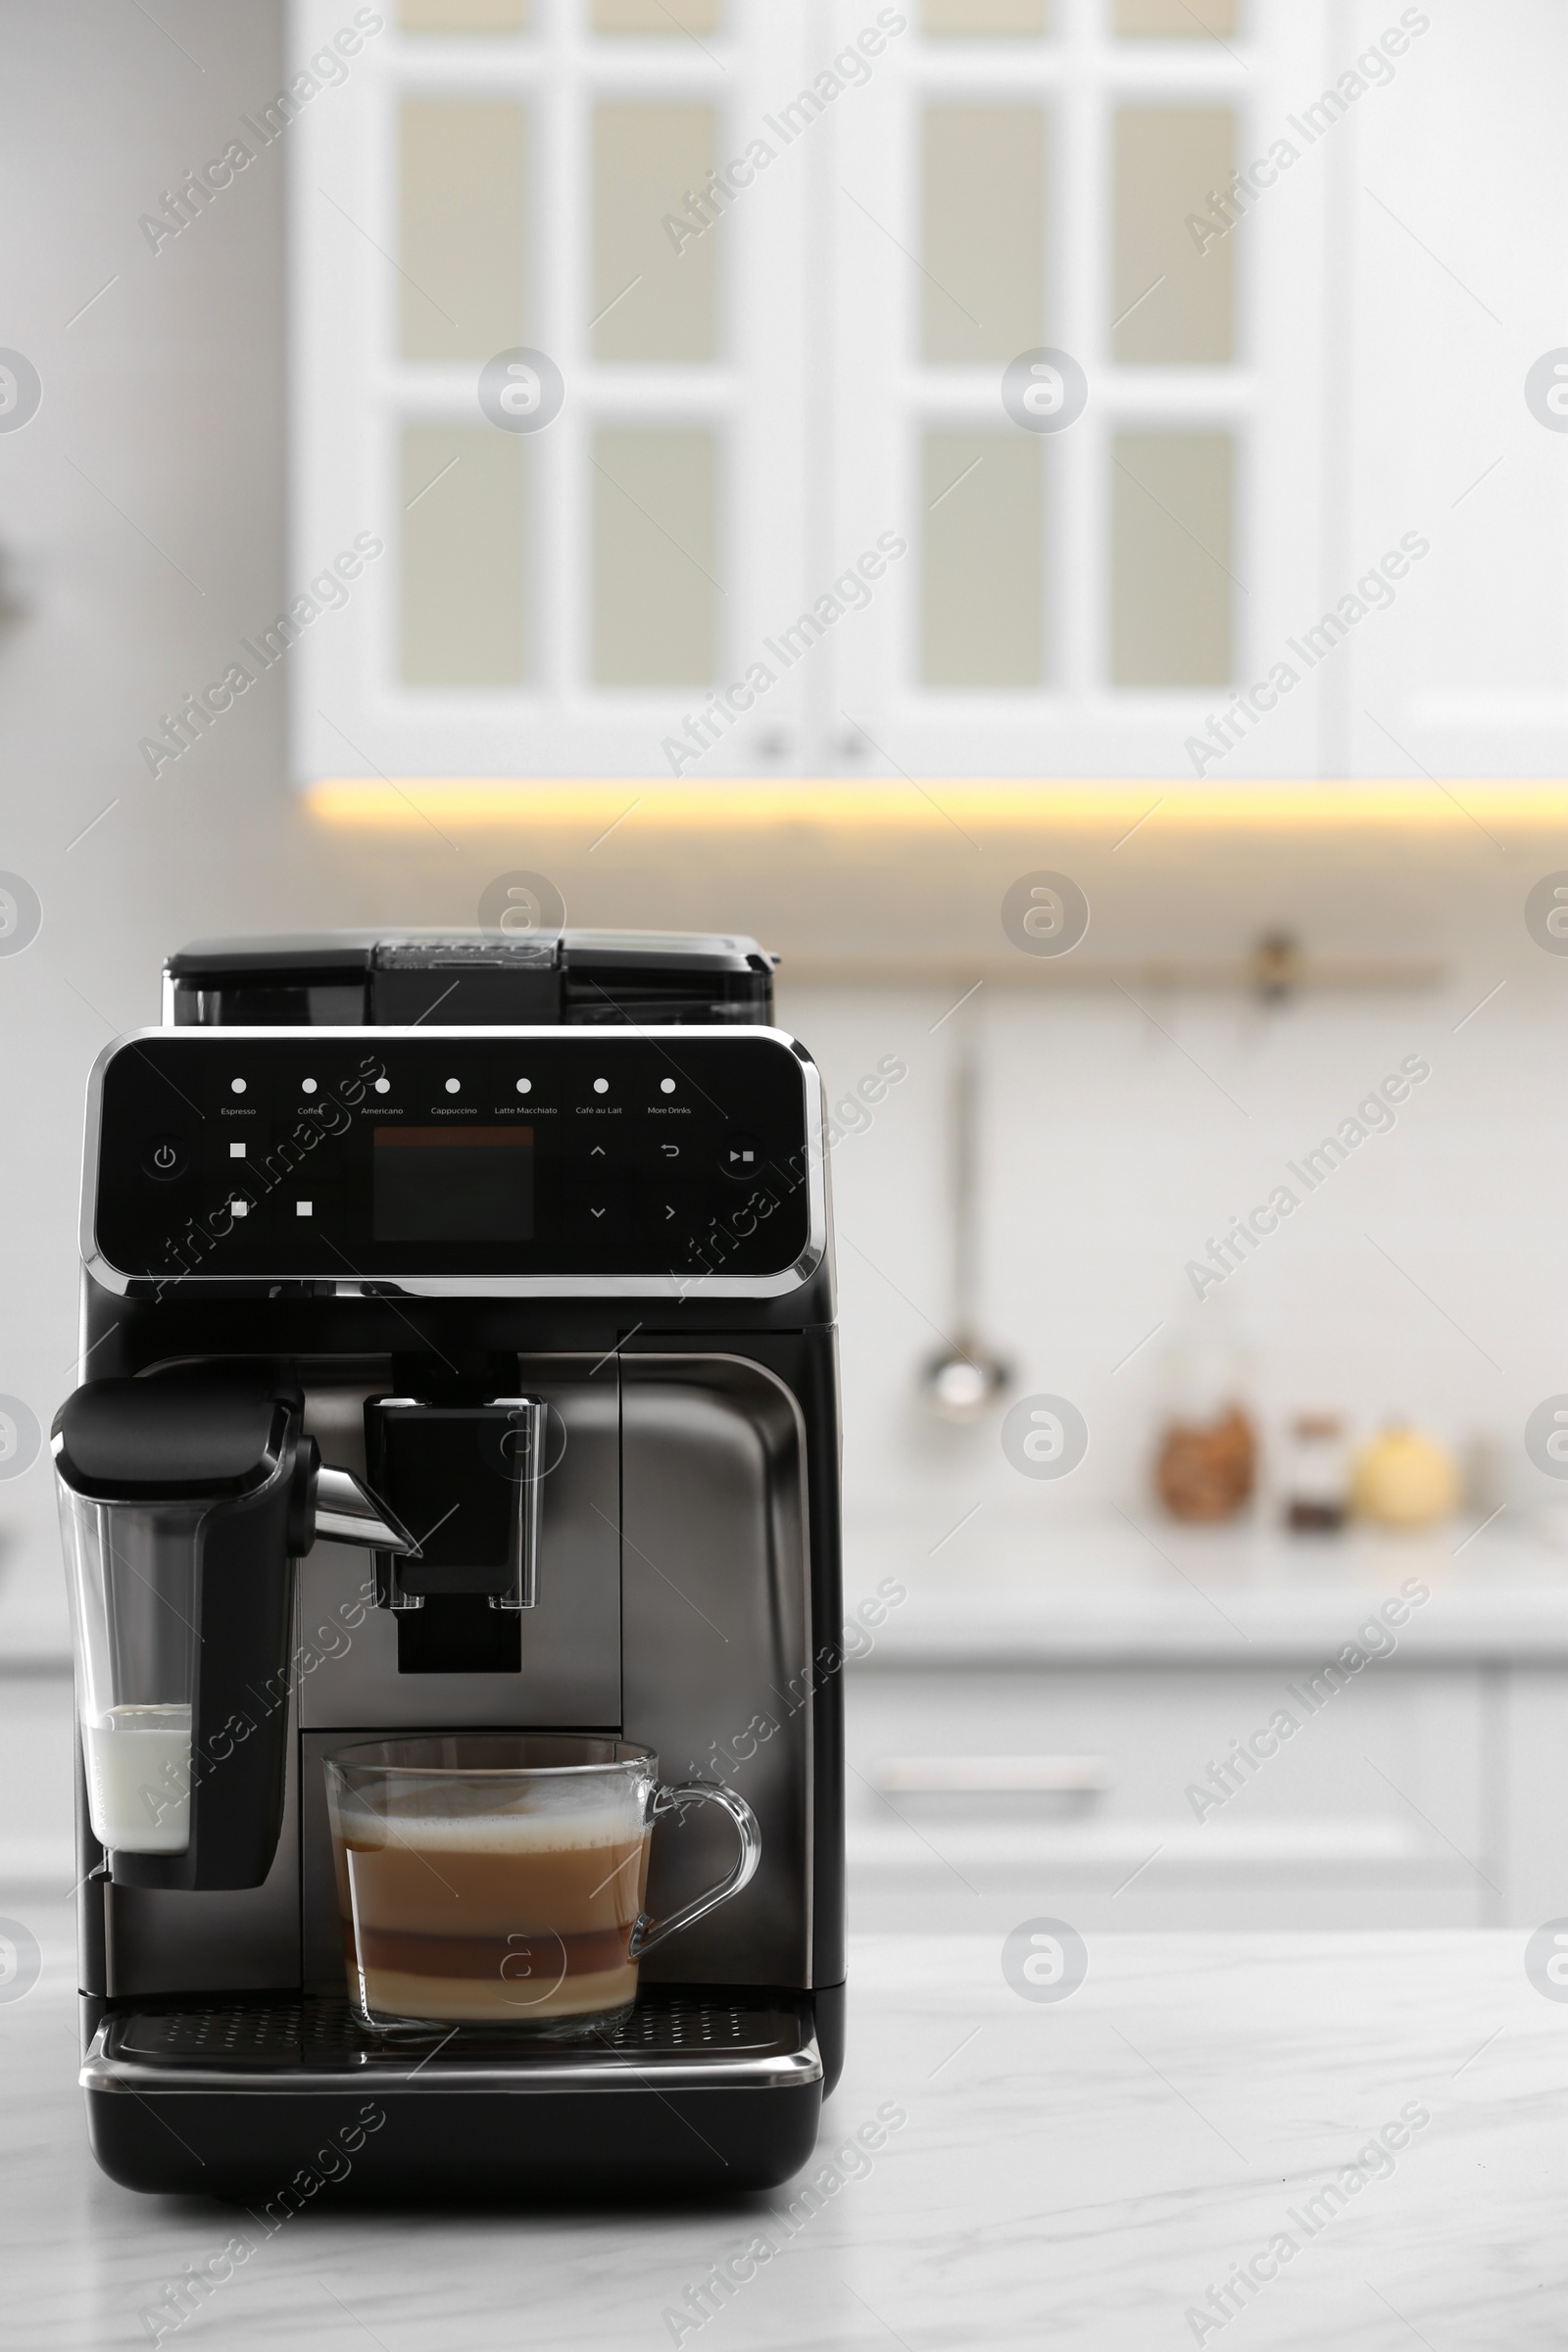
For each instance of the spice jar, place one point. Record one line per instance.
(1204, 1471)
(1207, 1456)
(1316, 1475)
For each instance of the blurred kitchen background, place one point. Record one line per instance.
(1329, 392)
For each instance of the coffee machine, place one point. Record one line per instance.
(457, 1354)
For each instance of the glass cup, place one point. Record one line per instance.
(498, 1879)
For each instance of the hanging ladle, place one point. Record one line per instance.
(964, 1381)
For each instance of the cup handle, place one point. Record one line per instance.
(674, 1799)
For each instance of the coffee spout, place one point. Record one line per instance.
(347, 1512)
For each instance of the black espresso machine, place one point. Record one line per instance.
(459, 1355)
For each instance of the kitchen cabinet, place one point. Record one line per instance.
(1382, 1809)
(1126, 1757)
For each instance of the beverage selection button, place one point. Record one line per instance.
(165, 1157)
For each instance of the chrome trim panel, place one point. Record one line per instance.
(779, 2073)
(524, 1286)
(404, 2069)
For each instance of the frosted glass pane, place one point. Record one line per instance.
(1174, 304)
(464, 16)
(985, 232)
(463, 245)
(1171, 558)
(970, 19)
(983, 584)
(652, 297)
(465, 619)
(653, 19)
(655, 593)
(1175, 20)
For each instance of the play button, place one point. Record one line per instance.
(740, 1156)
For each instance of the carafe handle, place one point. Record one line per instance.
(674, 1799)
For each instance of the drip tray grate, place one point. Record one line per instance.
(311, 2042)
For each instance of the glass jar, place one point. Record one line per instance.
(1316, 1475)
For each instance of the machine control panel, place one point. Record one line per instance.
(550, 1161)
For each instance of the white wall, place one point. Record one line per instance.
(1111, 1154)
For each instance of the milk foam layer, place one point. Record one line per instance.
(500, 1834)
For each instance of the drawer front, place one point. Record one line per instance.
(1248, 1797)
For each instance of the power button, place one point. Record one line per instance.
(165, 1157)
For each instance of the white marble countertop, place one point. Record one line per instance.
(1124, 1589)
(1079, 2173)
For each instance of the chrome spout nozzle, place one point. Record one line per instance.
(347, 1512)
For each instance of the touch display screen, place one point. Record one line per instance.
(452, 1184)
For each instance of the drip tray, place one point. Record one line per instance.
(673, 2039)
